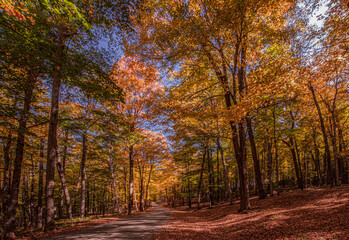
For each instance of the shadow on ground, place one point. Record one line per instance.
(309, 214)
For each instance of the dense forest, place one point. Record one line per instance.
(107, 106)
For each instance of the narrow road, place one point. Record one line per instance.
(137, 227)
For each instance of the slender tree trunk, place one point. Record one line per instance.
(11, 206)
(334, 147)
(141, 190)
(114, 185)
(295, 162)
(218, 188)
(125, 185)
(201, 173)
(76, 193)
(209, 166)
(131, 182)
(257, 171)
(316, 159)
(329, 178)
(341, 148)
(87, 211)
(276, 155)
(61, 205)
(41, 186)
(299, 162)
(65, 191)
(6, 178)
(189, 188)
(52, 136)
(135, 201)
(31, 197)
(147, 188)
(83, 175)
(225, 172)
(240, 142)
(270, 167)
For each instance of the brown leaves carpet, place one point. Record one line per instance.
(315, 213)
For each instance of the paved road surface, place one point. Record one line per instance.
(137, 227)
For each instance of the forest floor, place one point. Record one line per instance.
(314, 213)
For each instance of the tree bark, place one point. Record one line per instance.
(276, 155)
(188, 182)
(65, 190)
(114, 184)
(225, 172)
(316, 159)
(329, 178)
(147, 188)
(141, 190)
(295, 162)
(41, 186)
(52, 136)
(239, 138)
(11, 206)
(270, 167)
(83, 176)
(76, 193)
(32, 222)
(6, 173)
(257, 170)
(210, 183)
(131, 182)
(201, 173)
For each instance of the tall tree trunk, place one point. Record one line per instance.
(141, 190)
(276, 155)
(299, 162)
(225, 172)
(209, 166)
(76, 193)
(329, 178)
(52, 135)
(131, 182)
(295, 162)
(147, 188)
(201, 173)
(41, 186)
(189, 187)
(341, 148)
(270, 167)
(218, 188)
(257, 171)
(65, 190)
(61, 205)
(334, 147)
(239, 139)
(125, 184)
(135, 201)
(6, 174)
(83, 175)
(114, 184)
(11, 206)
(32, 197)
(316, 159)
